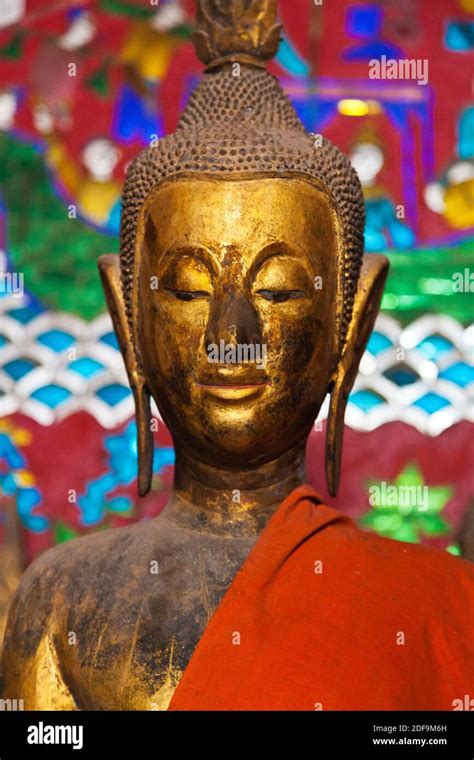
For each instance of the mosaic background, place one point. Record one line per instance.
(83, 86)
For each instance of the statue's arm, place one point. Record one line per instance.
(31, 667)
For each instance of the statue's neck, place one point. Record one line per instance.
(232, 502)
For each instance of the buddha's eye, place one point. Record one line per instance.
(280, 296)
(187, 295)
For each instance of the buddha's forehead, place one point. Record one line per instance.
(247, 214)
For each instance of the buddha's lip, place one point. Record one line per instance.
(225, 393)
(233, 386)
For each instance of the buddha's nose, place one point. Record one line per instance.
(234, 320)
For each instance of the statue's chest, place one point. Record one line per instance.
(148, 636)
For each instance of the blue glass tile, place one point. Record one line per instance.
(120, 504)
(366, 399)
(378, 342)
(110, 339)
(363, 21)
(18, 368)
(460, 373)
(25, 314)
(86, 367)
(401, 375)
(431, 403)
(466, 134)
(113, 394)
(51, 395)
(57, 340)
(459, 36)
(435, 345)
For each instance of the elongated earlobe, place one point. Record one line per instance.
(144, 438)
(334, 437)
(366, 307)
(109, 268)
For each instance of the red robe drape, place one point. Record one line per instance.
(325, 616)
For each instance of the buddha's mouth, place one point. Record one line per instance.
(232, 392)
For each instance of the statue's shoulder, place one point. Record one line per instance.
(86, 568)
(68, 555)
(417, 571)
(81, 596)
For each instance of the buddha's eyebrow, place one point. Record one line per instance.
(192, 252)
(273, 250)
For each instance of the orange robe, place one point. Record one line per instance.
(325, 616)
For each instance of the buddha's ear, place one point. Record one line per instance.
(109, 268)
(366, 307)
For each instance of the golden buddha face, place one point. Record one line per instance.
(236, 302)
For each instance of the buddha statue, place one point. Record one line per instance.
(241, 299)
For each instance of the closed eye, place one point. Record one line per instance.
(280, 296)
(187, 295)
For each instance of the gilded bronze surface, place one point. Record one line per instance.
(246, 275)
(262, 262)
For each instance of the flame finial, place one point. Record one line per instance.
(241, 31)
